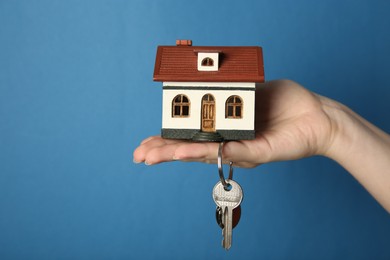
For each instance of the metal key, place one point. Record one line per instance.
(236, 211)
(227, 199)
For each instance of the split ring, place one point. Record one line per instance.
(220, 167)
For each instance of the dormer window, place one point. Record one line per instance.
(208, 61)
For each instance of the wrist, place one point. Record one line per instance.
(362, 149)
(344, 132)
(333, 135)
(350, 134)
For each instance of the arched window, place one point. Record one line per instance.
(208, 62)
(233, 107)
(180, 106)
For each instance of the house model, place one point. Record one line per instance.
(208, 92)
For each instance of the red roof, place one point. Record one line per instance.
(236, 64)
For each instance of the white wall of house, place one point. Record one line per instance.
(195, 97)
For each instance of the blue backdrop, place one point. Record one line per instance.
(77, 97)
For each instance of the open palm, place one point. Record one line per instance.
(291, 123)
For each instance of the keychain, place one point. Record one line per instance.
(227, 195)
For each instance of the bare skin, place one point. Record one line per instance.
(294, 123)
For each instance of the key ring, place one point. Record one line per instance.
(220, 168)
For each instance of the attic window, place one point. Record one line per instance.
(208, 62)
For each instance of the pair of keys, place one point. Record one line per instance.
(227, 195)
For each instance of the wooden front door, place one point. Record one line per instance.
(208, 113)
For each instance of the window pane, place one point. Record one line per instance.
(229, 111)
(238, 111)
(178, 99)
(177, 111)
(185, 110)
(207, 62)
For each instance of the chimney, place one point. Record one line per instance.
(183, 42)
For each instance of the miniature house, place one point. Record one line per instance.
(208, 92)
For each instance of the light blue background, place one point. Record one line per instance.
(77, 97)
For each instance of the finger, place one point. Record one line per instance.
(247, 154)
(181, 150)
(148, 144)
(186, 152)
(158, 140)
(149, 138)
(161, 154)
(237, 152)
(200, 152)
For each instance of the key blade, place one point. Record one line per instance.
(227, 231)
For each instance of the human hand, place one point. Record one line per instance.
(291, 123)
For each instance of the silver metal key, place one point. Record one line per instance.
(227, 199)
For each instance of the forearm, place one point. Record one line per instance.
(363, 150)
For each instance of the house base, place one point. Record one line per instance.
(207, 137)
(199, 136)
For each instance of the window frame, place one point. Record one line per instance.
(183, 106)
(235, 105)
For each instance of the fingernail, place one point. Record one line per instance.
(135, 161)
